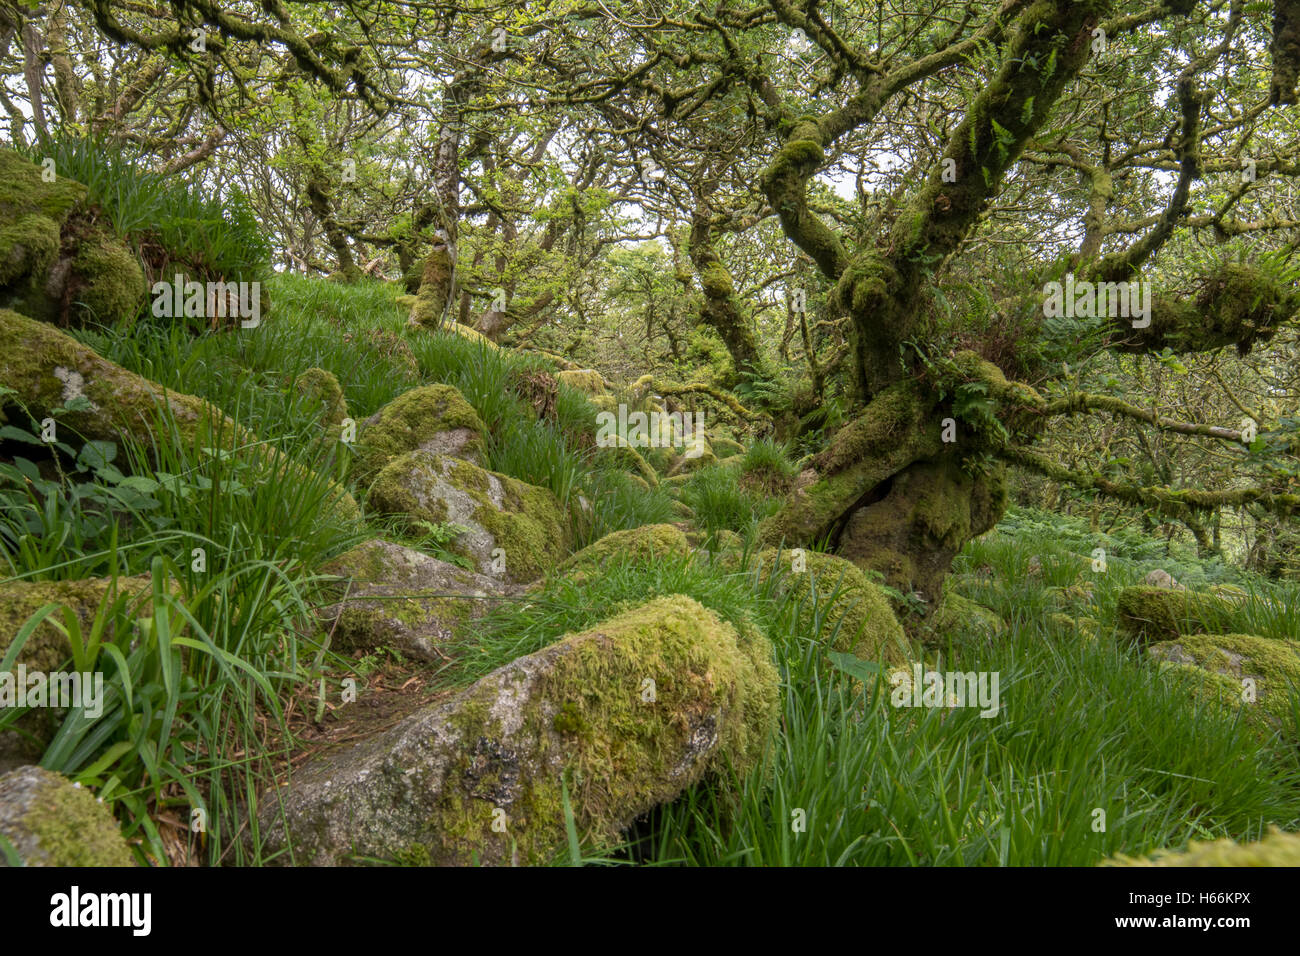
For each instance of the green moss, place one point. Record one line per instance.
(1276, 849)
(320, 387)
(588, 381)
(110, 283)
(618, 753)
(32, 211)
(569, 720)
(417, 854)
(1156, 614)
(964, 623)
(1220, 662)
(1237, 304)
(868, 627)
(47, 647)
(71, 828)
(1083, 627)
(48, 368)
(432, 417)
(27, 247)
(725, 447)
(646, 543)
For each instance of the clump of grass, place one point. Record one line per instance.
(854, 780)
(766, 467)
(719, 501)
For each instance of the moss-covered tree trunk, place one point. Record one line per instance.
(897, 490)
(719, 308)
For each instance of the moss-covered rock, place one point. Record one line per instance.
(626, 715)
(604, 403)
(432, 418)
(963, 622)
(647, 543)
(1255, 674)
(836, 592)
(1081, 626)
(320, 388)
(50, 821)
(57, 259)
(404, 599)
(1158, 614)
(107, 281)
(1276, 849)
(50, 370)
(47, 647)
(588, 381)
(31, 213)
(498, 512)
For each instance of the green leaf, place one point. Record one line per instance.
(97, 454)
(865, 671)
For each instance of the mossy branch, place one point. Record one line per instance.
(1084, 402)
(1169, 502)
(726, 398)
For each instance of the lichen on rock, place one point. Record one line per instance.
(404, 599)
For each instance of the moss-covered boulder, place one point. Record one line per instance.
(588, 381)
(1276, 849)
(513, 530)
(1081, 626)
(432, 418)
(320, 389)
(626, 715)
(57, 259)
(837, 594)
(404, 599)
(49, 370)
(31, 212)
(604, 403)
(963, 622)
(649, 542)
(106, 280)
(47, 647)
(49, 821)
(1158, 614)
(1256, 674)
